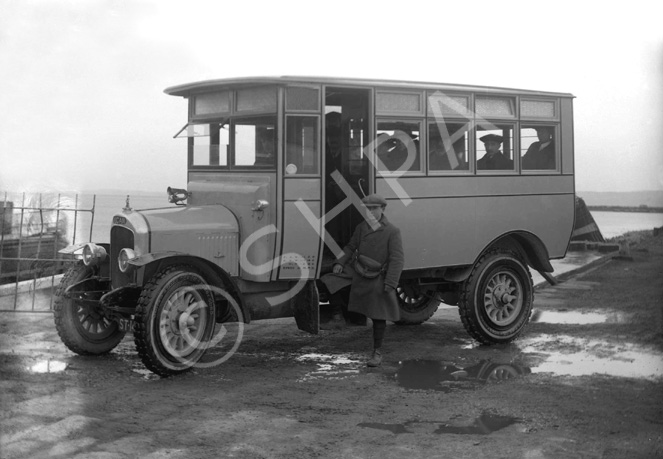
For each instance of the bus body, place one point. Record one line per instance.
(276, 167)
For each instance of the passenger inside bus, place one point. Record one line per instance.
(440, 158)
(494, 159)
(265, 153)
(447, 146)
(333, 162)
(462, 162)
(393, 152)
(541, 154)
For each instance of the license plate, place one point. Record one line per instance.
(127, 325)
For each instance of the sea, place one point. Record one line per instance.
(614, 224)
(88, 217)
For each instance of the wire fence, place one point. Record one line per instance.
(33, 228)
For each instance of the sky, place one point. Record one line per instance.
(83, 108)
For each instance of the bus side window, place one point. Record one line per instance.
(398, 146)
(537, 145)
(495, 147)
(447, 146)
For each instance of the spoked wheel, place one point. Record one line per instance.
(496, 300)
(78, 319)
(417, 303)
(175, 320)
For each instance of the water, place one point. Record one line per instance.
(108, 205)
(613, 224)
(447, 377)
(48, 366)
(586, 357)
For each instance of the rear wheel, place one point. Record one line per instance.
(175, 320)
(417, 303)
(79, 321)
(496, 299)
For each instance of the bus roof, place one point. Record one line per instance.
(186, 89)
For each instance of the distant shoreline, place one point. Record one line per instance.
(646, 209)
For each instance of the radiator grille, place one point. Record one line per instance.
(121, 238)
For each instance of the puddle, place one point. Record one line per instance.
(48, 366)
(445, 377)
(573, 317)
(483, 425)
(582, 357)
(330, 366)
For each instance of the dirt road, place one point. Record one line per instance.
(584, 381)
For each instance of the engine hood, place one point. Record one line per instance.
(191, 218)
(209, 232)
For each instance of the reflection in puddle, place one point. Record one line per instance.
(483, 425)
(48, 366)
(573, 317)
(330, 366)
(588, 357)
(439, 376)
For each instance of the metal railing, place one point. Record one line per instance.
(31, 234)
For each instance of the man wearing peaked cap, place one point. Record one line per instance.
(492, 138)
(373, 200)
(366, 276)
(493, 159)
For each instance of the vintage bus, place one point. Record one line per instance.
(479, 180)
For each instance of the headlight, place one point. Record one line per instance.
(93, 254)
(123, 259)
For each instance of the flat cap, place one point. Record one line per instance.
(491, 138)
(374, 200)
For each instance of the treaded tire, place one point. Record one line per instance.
(496, 299)
(416, 305)
(80, 326)
(175, 319)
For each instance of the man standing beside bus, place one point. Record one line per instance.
(366, 276)
(494, 159)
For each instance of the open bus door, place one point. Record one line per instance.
(347, 132)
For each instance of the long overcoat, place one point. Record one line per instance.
(368, 296)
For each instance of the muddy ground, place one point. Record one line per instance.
(585, 380)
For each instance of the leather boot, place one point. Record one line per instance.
(376, 360)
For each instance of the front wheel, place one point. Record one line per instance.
(78, 319)
(496, 299)
(175, 320)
